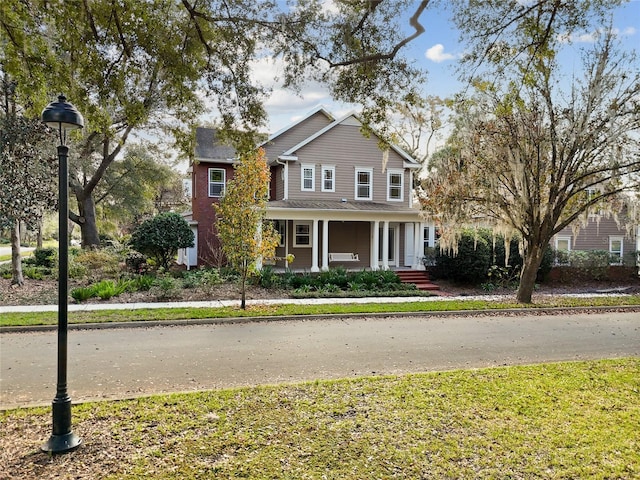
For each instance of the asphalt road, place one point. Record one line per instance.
(121, 363)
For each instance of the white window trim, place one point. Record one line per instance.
(390, 172)
(209, 182)
(370, 172)
(332, 169)
(295, 235)
(611, 252)
(560, 238)
(304, 167)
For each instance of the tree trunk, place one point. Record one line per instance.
(87, 221)
(243, 300)
(532, 260)
(16, 259)
(39, 239)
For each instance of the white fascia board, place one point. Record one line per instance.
(409, 161)
(215, 160)
(286, 158)
(413, 165)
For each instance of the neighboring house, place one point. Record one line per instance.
(335, 197)
(604, 235)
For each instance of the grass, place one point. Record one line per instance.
(565, 420)
(183, 313)
(25, 253)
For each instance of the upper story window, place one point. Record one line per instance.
(364, 183)
(308, 178)
(328, 178)
(616, 250)
(395, 183)
(217, 177)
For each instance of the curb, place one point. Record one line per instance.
(303, 318)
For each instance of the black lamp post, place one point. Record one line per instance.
(62, 116)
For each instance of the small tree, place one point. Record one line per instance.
(245, 237)
(27, 174)
(161, 236)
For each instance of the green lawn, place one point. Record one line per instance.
(554, 421)
(50, 318)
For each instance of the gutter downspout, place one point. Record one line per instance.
(285, 164)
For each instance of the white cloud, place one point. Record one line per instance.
(591, 37)
(437, 54)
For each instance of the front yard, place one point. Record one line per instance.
(566, 420)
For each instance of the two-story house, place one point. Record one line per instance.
(336, 198)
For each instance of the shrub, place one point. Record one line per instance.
(471, 263)
(99, 263)
(142, 283)
(82, 294)
(35, 273)
(593, 264)
(166, 287)
(136, 262)
(45, 257)
(105, 289)
(162, 236)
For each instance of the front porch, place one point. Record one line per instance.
(380, 244)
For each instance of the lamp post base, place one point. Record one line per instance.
(62, 443)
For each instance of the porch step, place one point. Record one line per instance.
(420, 278)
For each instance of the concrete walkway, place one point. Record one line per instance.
(270, 301)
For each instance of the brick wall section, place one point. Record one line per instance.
(204, 214)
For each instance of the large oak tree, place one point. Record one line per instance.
(131, 65)
(530, 147)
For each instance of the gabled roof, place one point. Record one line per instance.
(208, 146)
(348, 119)
(319, 108)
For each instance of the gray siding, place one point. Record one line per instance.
(350, 237)
(596, 236)
(295, 135)
(277, 182)
(346, 148)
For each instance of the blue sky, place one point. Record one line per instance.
(438, 51)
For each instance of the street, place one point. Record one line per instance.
(121, 363)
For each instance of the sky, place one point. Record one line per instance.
(438, 51)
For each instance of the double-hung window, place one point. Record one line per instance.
(364, 184)
(302, 237)
(217, 177)
(395, 183)
(307, 178)
(328, 178)
(563, 249)
(616, 250)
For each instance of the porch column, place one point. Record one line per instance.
(418, 250)
(375, 245)
(314, 248)
(286, 243)
(325, 245)
(385, 245)
(432, 236)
